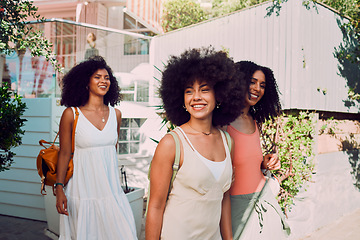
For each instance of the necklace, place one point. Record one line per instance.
(103, 116)
(205, 133)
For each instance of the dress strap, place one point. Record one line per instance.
(186, 138)
(227, 144)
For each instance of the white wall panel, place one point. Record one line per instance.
(20, 174)
(20, 186)
(25, 162)
(23, 212)
(298, 45)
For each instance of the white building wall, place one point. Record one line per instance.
(298, 45)
(20, 187)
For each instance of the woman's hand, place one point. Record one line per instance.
(61, 201)
(271, 162)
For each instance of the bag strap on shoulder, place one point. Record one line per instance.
(228, 139)
(175, 168)
(176, 164)
(73, 131)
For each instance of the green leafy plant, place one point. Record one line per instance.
(181, 13)
(293, 136)
(17, 35)
(11, 110)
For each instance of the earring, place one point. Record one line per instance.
(184, 108)
(218, 105)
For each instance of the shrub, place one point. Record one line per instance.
(11, 110)
(292, 135)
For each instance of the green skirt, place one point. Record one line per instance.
(258, 217)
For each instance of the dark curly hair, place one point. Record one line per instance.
(269, 105)
(74, 84)
(213, 67)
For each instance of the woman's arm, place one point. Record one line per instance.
(118, 119)
(225, 221)
(160, 177)
(65, 133)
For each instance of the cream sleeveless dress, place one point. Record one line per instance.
(98, 208)
(193, 209)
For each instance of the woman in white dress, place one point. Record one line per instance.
(92, 204)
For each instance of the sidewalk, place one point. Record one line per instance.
(12, 228)
(345, 228)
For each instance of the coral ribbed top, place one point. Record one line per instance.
(246, 162)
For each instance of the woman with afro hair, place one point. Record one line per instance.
(93, 204)
(255, 213)
(199, 92)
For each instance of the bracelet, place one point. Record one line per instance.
(61, 184)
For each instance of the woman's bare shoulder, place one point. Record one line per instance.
(68, 114)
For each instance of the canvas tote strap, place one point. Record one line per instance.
(175, 168)
(176, 164)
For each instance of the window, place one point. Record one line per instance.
(64, 35)
(129, 138)
(136, 46)
(137, 91)
(132, 45)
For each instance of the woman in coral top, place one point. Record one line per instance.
(255, 213)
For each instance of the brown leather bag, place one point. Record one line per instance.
(46, 161)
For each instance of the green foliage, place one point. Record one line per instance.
(222, 7)
(293, 135)
(349, 8)
(329, 127)
(17, 35)
(181, 13)
(11, 110)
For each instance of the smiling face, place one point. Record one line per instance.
(199, 99)
(99, 83)
(256, 88)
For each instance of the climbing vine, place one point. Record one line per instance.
(292, 137)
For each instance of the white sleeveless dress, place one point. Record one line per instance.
(98, 208)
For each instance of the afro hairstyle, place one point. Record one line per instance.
(269, 105)
(204, 64)
(74, 84)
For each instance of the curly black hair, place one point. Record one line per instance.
(269, 105)
(213, 67)
(74, 84)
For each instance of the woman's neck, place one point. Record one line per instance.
(200, 126)
(95, 103)
(246, 110)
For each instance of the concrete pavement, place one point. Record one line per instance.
(345, 228)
